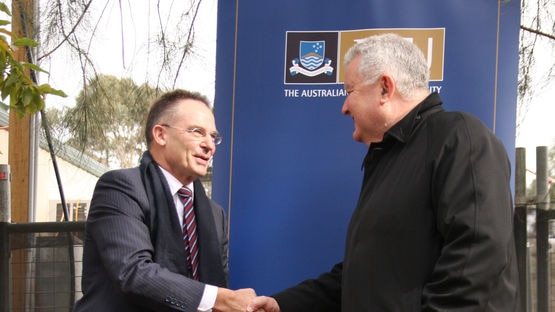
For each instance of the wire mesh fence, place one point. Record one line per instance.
(44, 267)
(534, 282)
(533, 278)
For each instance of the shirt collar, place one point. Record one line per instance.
(174, 184)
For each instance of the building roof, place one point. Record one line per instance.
(65, 152)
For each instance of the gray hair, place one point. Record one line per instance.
(393, 55)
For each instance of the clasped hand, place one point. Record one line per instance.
(243, 300)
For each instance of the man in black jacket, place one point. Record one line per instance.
(432, 230)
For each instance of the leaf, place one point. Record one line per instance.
(20, 111)
(57, 92)
(8, 86)
(4, 8)
(16, 67)
(8, 52)
(38, 100)
(7, 32)
(4, 23)
(15, 103)
(33, 67)
(15, 98)
(27, 97)
(25, 42)
(47, 89)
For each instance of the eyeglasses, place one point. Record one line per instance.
(198, 133)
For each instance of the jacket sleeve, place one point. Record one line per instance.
(322, 294)
(473, 207)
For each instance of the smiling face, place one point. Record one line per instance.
(365, 104)
(181, 153)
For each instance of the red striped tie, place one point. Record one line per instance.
(189, 230)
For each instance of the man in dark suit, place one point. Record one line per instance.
(432, 229)
(146, 248)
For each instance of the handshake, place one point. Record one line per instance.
(243, 300)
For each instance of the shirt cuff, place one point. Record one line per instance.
(208, 298)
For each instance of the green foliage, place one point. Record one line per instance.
(25, 96)
(107, 120)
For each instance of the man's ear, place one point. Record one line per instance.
(387, 86)
(159, 135)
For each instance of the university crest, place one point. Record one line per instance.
(311, 58)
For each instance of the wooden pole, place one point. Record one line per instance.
(19, 154)
(19, 133)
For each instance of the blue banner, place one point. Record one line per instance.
(288, 171)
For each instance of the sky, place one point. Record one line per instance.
(538, 125)
(132, 58)
(538, 128)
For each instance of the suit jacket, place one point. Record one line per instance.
(134, 257)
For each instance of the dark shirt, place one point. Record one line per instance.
(432, 229)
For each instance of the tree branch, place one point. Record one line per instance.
(537, 32)
(66, 36)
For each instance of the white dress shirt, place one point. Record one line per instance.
(210, 291)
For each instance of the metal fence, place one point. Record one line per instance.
(40, 263)
(40, 266)
(534, 233)
(537, 273)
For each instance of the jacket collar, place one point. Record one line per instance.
(403, 130)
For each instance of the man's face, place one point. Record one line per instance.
(188, 140)
(363, 104)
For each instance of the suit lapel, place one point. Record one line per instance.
(210, 257)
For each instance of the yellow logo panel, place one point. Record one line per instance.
(430, 40)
